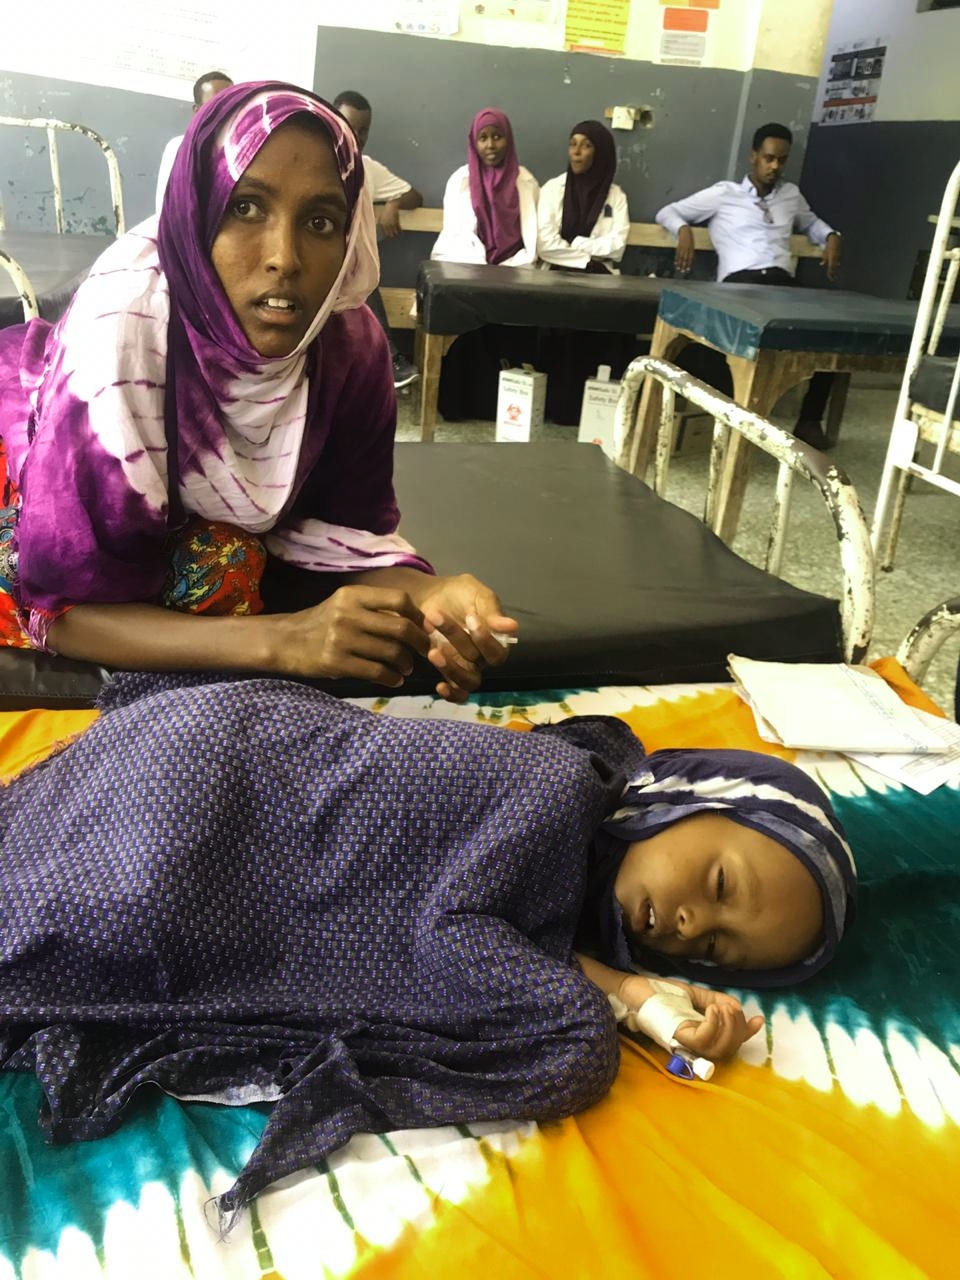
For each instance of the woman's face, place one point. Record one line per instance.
(709, 889)
(282, 240)
(492, 146)
(581, 153)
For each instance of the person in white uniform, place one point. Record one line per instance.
(389, 194)
(582, 214)
(490, 203)
(751, 223)
(207, 87)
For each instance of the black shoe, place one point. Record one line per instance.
(811, 433)
(403, 372)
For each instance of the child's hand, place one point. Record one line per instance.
(723, 1030)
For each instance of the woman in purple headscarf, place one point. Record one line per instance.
(582, 214)
(490, 203)
(218, 392)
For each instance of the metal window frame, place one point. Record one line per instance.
(794, 458)
(25, 290)
(914, 424)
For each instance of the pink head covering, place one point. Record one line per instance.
(493, 192)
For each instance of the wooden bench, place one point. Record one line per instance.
(401, 304)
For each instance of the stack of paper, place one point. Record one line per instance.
(851, 710)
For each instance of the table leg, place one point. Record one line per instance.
(667, 343)
(835, 407)
(757, 385)
(435, 347)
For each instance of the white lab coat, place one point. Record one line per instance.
(606, 242)
(459, 242)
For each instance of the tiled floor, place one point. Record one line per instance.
(928, 554)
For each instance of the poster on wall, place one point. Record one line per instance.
(685, 25)
(517, 10)
(597, 26)
(426, 17)
(853, 82)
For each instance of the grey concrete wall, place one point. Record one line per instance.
(424, 93)
(137, 126)
(877, 183)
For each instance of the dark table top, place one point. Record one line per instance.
(743, 319)
(55, 265)
(455, 297)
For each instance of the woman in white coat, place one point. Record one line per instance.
(489, 219)
(582, 214)
(490, 203)
(584, 223)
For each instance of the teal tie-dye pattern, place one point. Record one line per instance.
(49, 1188)
(900, 963)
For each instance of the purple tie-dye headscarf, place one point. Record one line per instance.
(493, 192)
(150, 352)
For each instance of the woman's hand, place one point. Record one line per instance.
(462, 614)
(724, 1028)
(359, 633)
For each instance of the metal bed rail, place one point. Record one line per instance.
(794, 458)
(924, 641)
(52, 127)
(913, 424)
(21, 282)
(25, 291)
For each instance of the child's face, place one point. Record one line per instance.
(709, 889)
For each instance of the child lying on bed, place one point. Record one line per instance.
(249, 890)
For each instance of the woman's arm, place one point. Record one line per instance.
(529, 192)
(458, 241)
(360, 632)
(608, 245)
(551, 245)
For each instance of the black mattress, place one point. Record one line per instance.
(454, 298)
(932, 381)
(610, 584)
(55, 265)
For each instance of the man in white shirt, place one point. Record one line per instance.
(390, 194)
(751, 223)
(207, 87)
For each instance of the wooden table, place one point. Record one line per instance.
(454, 298)
(773, 338)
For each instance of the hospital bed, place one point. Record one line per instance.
(828, 1147)
(611, 583)
(928, 407)
(42, 269)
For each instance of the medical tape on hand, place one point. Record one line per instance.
(659, 1015)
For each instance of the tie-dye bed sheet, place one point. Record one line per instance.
(831, 1147)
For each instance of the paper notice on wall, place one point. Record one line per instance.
(517, 10)
(853, 82)
(597, 26)
(684, 32)
(426, 17)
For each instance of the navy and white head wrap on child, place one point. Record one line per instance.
(758, 791)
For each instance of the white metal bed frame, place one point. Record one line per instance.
(25, 290)
(794, 458)
(914, 424)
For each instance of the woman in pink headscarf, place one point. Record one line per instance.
(490, 203)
